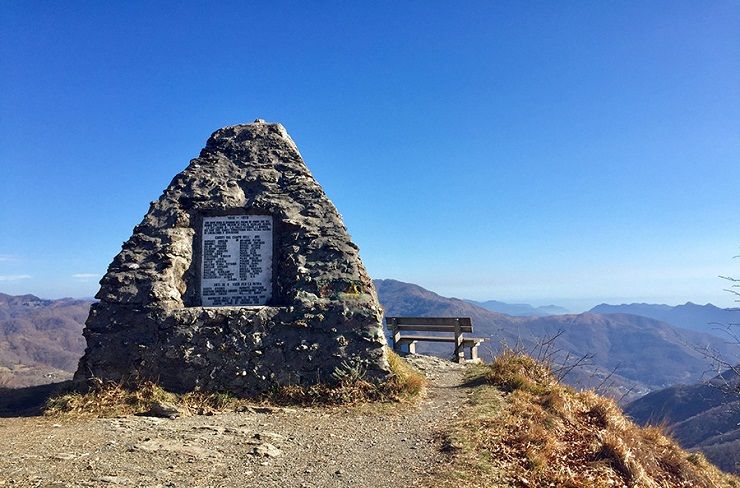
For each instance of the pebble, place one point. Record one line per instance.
(115, 480)
(163, 409)
(64, 456)
(266, 450)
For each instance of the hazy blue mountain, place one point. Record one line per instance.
(704, 416)
(407, 299)
(704, 318)
(520, 309)
(647, 354)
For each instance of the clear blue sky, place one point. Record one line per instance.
(568, 152)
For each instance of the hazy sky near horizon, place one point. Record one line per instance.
(566, 152)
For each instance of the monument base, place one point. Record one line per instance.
(238, 350)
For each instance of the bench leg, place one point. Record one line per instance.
(459, 350)
(459, 353)
(412, 347)
(474, 353)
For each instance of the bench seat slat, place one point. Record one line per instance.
(426, 338)
(464, 321)
(465, 340)
(432, 328)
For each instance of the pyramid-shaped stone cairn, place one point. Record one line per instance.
(240, 278)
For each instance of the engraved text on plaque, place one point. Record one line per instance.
(237, 260)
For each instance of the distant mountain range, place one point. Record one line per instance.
(704, 416)
(40, 340)
(645, 354)
(703, 318)
(520, 309)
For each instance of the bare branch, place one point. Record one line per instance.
(562, 371)
(607, 377)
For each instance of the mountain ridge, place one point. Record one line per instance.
(640, 353)
(706, 318)
(520, 309)
(40, 339)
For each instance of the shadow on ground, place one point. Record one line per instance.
(29, 401)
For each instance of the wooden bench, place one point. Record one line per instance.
(451, 329)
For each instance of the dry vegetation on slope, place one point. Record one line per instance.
(523, 428)
(40, 340)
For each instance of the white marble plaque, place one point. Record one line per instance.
(236, 267)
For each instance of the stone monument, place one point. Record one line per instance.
(240, 278)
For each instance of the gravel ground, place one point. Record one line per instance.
(368, 446)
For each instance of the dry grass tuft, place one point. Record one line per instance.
(614, 451)
(524, 428)
(404, 383)
(511, 372)
(6, 381)
(112, 399)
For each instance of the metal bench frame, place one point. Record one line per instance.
(457, 326)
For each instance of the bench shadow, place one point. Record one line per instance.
(473, 382)
(29, 401)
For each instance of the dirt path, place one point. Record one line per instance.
(382, 446)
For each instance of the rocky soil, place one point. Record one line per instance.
(371, 445)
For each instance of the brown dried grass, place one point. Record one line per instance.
(6, 380)
(113, 399)
(543, 433)
(404, 384)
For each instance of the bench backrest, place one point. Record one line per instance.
(430, 324)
